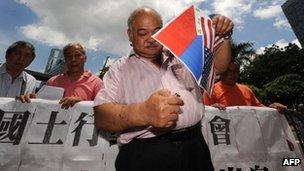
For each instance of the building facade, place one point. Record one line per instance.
(294, 12)
(56, 63)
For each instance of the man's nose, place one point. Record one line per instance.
(150, 39)
(22, 57)
(74, 57)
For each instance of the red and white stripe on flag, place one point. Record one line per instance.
(211, 42)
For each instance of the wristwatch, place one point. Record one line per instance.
(228, 35)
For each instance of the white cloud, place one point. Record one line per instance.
(280, 43)
(272, 10)
(4, 43)
(277, 2)
(235, 9)
(45, 35)
(296, 41)
(281, 23)
(268, 12)
(98, 24)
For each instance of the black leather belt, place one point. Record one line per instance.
(175, 135)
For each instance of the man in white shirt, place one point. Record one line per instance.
(150, 99)
(14, 81)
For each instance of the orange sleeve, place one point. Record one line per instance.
(206, 99)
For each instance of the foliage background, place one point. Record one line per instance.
(276, 75)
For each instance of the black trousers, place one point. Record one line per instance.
(176, 154)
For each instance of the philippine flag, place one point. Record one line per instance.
(190, 37)
(183, 36)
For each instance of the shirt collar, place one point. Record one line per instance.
(2, 69)
(86, 74)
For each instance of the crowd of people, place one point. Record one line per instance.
(148, 97)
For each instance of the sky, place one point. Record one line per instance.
(101, 24)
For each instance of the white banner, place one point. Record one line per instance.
(249, 139)
(41, 136)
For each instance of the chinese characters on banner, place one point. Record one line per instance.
(14, 123)
(42, 136)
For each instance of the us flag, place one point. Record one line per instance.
(212, 42)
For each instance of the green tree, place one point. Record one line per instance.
(276, 75)
(273, 63)
(242, 52)
(287, 89)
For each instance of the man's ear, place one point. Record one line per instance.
(130, 35)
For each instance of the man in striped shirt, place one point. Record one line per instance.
(153, 102)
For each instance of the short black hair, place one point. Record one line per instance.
(12, 48)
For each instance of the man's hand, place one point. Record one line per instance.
(69, 101)
(219, 106)
(222, 56)
(281, 108)
(222, 25)
(26, 97)
(162, 108)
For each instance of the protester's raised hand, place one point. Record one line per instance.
(69, 101)
(26, 97)
(223, 25)
(161, 109)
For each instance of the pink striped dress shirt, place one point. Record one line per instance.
(132, 79)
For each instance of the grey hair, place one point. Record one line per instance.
(76, 45)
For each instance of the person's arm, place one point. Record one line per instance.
(160, 110)
(222, 55)
(26, 97)
(29, 90)
(68, 102)
(113, 117)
